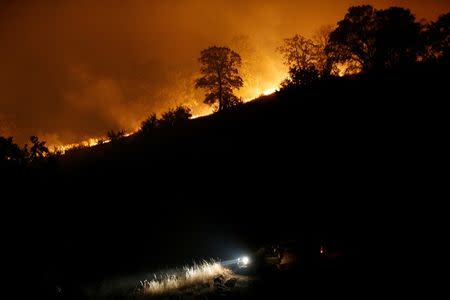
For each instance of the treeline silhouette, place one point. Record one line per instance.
(11, 155)
(366, 41)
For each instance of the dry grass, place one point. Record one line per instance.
(199, 274)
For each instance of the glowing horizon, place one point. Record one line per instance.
(82, 67)
(63, 148)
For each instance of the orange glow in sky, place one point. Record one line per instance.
(74, 69)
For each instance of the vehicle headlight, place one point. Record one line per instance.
(243, 261)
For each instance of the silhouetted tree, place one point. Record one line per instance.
(301, 56)
(354, 38)
(9, 151)
(375, 39)
(438, 38)
(305, 58)
(220, 76)
(299, 52)
(38, 149)
(398, 39)
(175, 117)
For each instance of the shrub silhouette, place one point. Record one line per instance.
(174, 117)
(115, 136)
(301, 77)
(149, 124)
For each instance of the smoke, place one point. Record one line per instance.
(74, 69)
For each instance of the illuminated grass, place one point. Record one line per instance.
(190, 277)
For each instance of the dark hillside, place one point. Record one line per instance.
(340, 129)
(325, 161)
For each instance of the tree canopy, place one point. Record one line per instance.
(299, 52)
(375, 39)
(9, 150)
(220, 76)
(304, 58)
(438, 37)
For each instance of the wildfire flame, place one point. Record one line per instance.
(254, 94)
(84, 144)
(269, 91)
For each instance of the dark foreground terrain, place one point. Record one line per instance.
(322, 272)
(336, 163)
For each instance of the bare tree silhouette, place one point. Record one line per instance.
(299, 52)
(303, 58)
